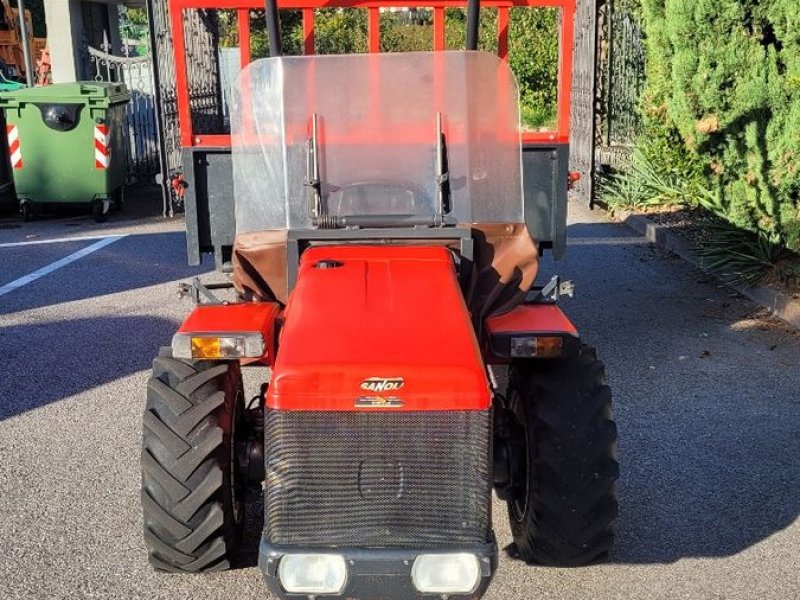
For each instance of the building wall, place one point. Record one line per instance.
(72, 25)
(63, 36)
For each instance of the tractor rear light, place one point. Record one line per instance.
(217, 345)
(313, 574)
(537, 346)
(446, 573)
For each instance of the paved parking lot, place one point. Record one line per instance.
(707, 393)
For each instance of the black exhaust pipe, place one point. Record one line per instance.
(274, 28)
(473, 21)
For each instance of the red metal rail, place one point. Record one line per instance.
(243, 8)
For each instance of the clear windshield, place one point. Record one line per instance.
(376, 138)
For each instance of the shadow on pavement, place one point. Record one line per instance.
(48, 361)
(135, 261)
(595, 230)
(708, 413)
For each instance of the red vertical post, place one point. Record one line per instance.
(308, 31)
(181, 79)
(502, 32)
(374, 30)
(438, 28)
(565, 68)
(504, 75)
(243, 18)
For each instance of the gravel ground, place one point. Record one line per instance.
(689, 223)
(706, 392)
(694, 226)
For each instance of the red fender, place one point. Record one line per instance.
(231, 319)
(542, 323)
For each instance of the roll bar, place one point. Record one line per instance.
(473, 23)
(273, 28)
(274, 25)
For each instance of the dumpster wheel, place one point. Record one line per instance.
(27, 209)
(192, 492)
(563, 514)
(100, 210)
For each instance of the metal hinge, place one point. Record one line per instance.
(552, 292)
(199, 291)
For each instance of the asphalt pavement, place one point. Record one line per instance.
(707, 398)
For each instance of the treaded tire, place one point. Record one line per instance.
(191, 496)
(565, 514)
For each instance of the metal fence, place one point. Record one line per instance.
(583, 113)
(621, 78)
(137, 74)
(205, 89)
(608, 79)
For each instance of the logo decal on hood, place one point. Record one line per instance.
(381, 385)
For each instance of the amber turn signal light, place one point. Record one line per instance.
(217, 346)
(537, 346)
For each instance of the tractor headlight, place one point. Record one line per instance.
(217, 345)
(446, 573)
(312, 574)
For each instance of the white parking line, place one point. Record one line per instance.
(84, 238)
(25, 280)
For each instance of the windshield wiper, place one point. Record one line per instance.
(443, 206)
(312, 181)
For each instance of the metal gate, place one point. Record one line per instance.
(137, 74)
(608, 78)
(205, 92)
(584, 99)
(620, 82)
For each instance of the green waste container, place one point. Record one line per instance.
(67, 144)
(8, 199)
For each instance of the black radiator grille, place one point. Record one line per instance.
(377, 479)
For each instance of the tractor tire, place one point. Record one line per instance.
(192, 495)
(564, 513)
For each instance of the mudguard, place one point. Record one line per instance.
(529, 321)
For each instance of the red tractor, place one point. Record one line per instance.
(384, 273)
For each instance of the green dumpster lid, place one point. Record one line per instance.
(98, 93)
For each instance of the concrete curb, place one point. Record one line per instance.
(778, 303)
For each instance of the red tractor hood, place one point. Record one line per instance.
(377, 328)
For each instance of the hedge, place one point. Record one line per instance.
(724, 75)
